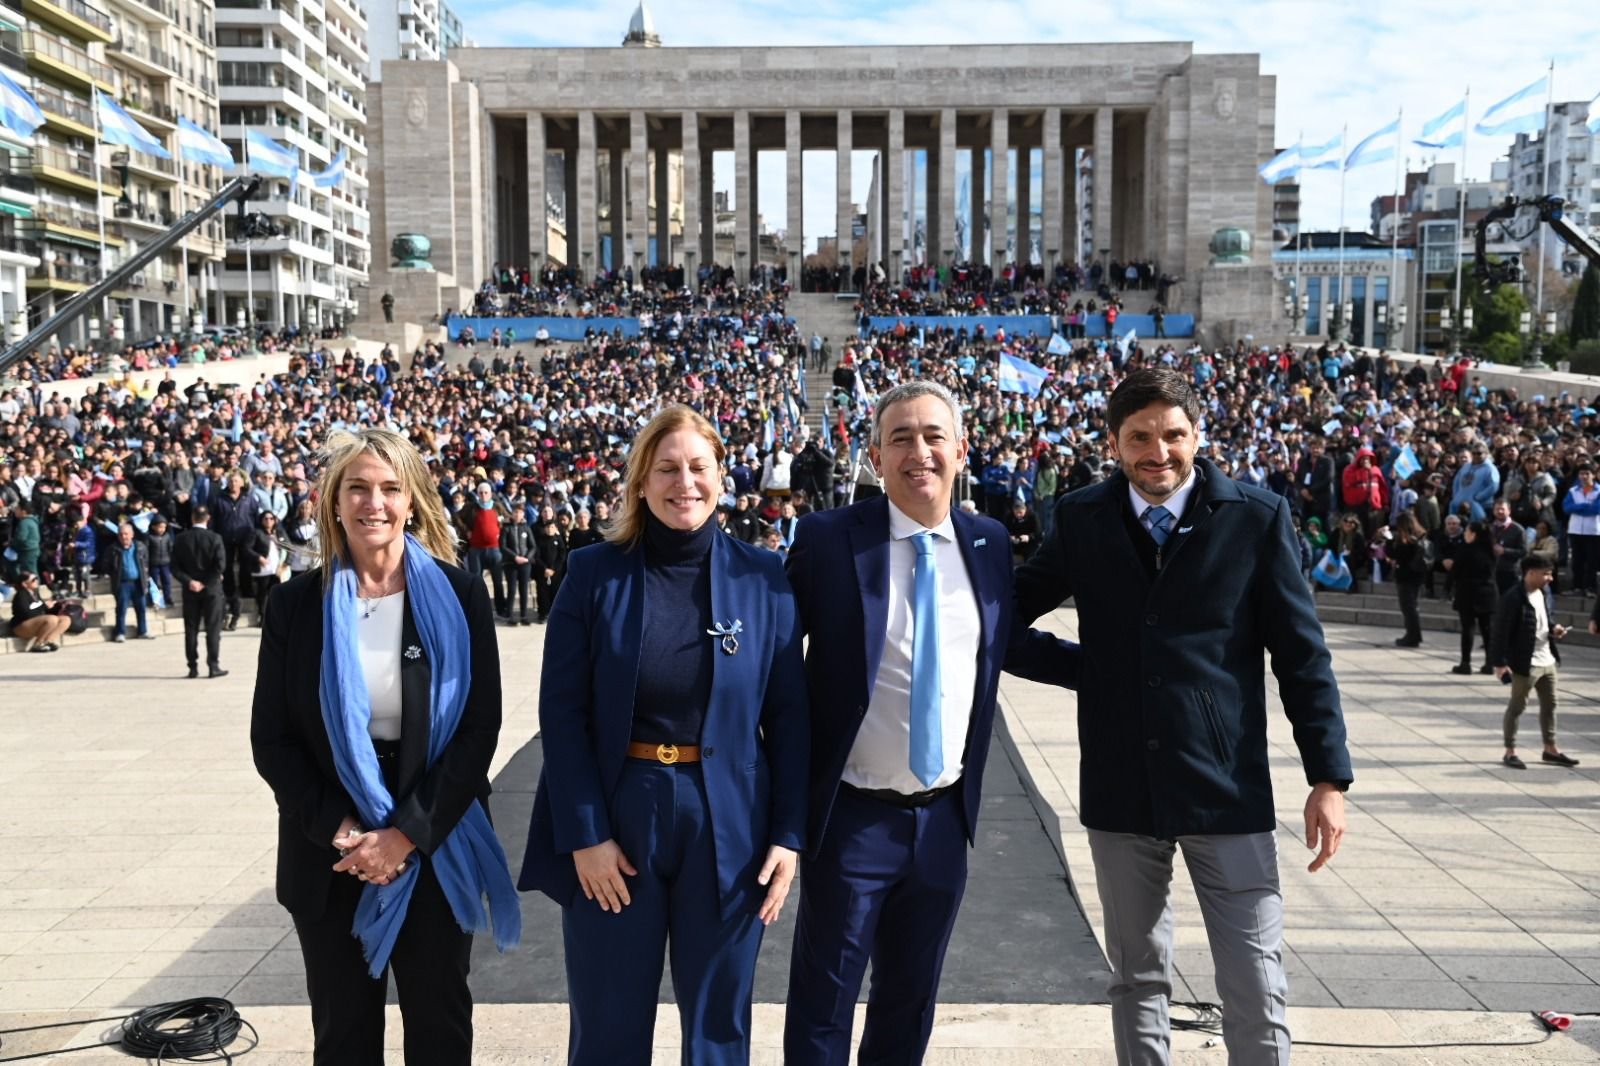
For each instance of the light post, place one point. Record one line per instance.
(1295, 309)
(1448, 323)
(1533, 360)
(1394, 336)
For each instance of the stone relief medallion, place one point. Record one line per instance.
(417, 108)
(1226, 100)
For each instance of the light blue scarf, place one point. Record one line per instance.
(470, 864)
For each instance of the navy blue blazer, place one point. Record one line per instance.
(754, 742)
(839, 567)
(1172, 708)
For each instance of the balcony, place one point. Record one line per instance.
(151, 108)
(64, 112)
(64, 216)
(75, 170)
(72, 277)
(144, 57)
(164, 170)
(136, 214)
(67, 62)
(165, 8)
(73, 17)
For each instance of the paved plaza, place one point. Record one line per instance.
(139, 846)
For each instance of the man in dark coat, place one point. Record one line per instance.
(1523, 652)
(1184, 580)
(1315, 483)
(130, 576)
(198, 558)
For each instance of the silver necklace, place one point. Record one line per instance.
(370, 604)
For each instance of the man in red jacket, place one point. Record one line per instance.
(483, 544)
(1364, 490)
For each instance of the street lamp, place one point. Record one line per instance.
(1295, 309)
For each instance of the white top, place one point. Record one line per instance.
(1177, 503)
(1583, 525)
(881, 756)
(1542, 655)
(378, 639)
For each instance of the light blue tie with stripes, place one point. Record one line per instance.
(1159, 519)
(927, 738)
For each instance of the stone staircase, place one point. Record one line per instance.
(834, 317)
(101, 607)
(1378, 605)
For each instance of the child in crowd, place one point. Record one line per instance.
(83, 553)
(159, 543)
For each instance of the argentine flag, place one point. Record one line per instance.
(1323, 156)
(1506, 117)
(1019, 375)
(198, 146)
(1405, 464)
(1125, 345)
(1594, 114)
(1058, 345)
(18, 111)
(1376, 148)
(333, 175)
(1430, 138)
(118, 127)
(267, 156)
(1286, 164)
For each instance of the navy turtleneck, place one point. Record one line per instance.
(676, 656)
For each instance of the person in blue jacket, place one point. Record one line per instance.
(1476, 485)
(672, 803)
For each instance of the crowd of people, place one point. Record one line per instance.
(656, 293)
(1018, 289)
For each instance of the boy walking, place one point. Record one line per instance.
(1523, 652)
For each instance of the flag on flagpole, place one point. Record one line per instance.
(1058, 345)
(118, 127)
(1506, 117)
(333, 175)
(267, 156)
(19, 113)
(198, 146)
(1373, 148)
(1125, 345)
(1405, 464)
(1429, 135)
(1325, 156)
(1019, 375)
(1594, 114)
(1286, 164)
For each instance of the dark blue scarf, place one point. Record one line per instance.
(470, 864)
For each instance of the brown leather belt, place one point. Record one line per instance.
(667, 754)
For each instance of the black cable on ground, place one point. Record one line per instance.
(1208, 1019)
(189, 1030)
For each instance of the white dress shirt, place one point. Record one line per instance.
(881, 756)
(1177, 503)
(378, 643)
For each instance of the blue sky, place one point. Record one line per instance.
(1337, 63)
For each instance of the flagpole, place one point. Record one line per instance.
(99, 207)
(1394, 228)
(1544, 158)
(1461, 208)
(1299, 229)
(1344, 139)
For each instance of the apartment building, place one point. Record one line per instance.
(296, 70)
(412, 29)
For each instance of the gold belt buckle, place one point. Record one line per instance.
(667, 753)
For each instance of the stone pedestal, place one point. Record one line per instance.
(420, 297)
(1236, 300)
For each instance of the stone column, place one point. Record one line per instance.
(977, 195)
(663, 184)
(1103, 178)
(1072, 224)
(753, 216)
(894, 172)
(583, 227)
(708, 211)
(743, 195)
(794, 197)
(619, 206)
(943, 237)
(1024, 203)
(638, 192)
(693, 206)
(1051, 175)
(538, 223)
(999, 175)
(844, 227)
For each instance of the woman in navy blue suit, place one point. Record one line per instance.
(672, 708)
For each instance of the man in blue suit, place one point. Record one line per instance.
(907, 604)
(1184, 581)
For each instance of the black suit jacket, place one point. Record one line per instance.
(199, 555)
(294, 757)
(1172, 709)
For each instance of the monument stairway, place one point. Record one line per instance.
(834, 317)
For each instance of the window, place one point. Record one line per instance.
(1314, 310)
(1358, 312)
(1382, 326)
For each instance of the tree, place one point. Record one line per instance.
(1586, 308)
(1496, 312)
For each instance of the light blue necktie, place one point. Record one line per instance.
(927, 738)
(1159, 520)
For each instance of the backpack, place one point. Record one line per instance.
(74, 612)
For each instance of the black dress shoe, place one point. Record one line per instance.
(1485, 669)
(1406, 642)
(1462, 669)
(1514, 762)
(194, 671)
(233, 623)
(217, 671)
(1560, 758)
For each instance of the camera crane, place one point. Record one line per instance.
(1551, 212)
(250, 225)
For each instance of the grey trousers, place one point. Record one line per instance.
(1540, 680)
(1236, 880)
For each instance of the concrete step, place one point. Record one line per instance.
(1570, 610)
(161, 626)
(1333, 612)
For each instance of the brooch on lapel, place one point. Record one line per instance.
(726, 630)
(413, 652)
(980, 542)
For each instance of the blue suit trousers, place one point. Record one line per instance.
(884, 886)
(663, 825)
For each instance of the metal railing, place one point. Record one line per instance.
(62, 215)
(75, 272)
(77, 8)
(79, 163)
(75, 58)
(55, 102)
(145, 161)
(145, 51)
(149, 105)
